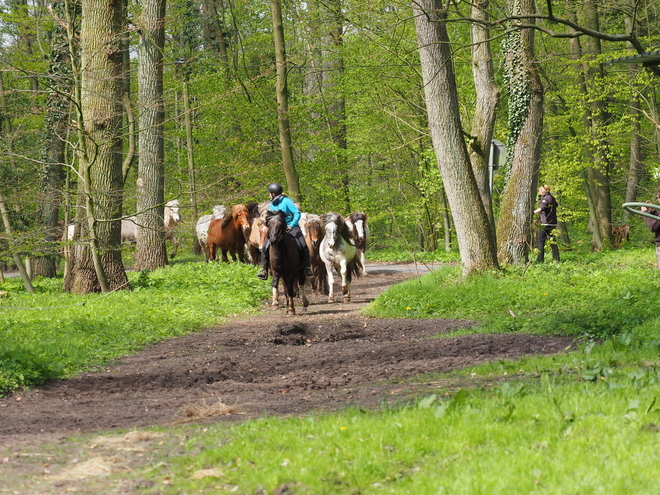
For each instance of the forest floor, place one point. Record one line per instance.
(327, 358)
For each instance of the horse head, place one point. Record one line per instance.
(358, 221)
(315, 230)
(240, 216)
(336, 229)
(276, 224)
(258, 232)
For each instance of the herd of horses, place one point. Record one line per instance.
(335, 244)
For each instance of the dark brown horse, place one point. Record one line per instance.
(314, 231)
(357, 224)
(286, 262)
(229, 234)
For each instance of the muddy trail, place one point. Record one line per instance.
(327, 358)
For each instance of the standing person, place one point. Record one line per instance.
(281, 202)
(548, 210)
(654, 225)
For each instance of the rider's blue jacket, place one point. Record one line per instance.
(291, 211)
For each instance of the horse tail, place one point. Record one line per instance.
(354, 268)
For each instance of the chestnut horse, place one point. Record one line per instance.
(357, 224)
(312, 228)
(286, 262)
(338, 251)
(229, 234)
(202, 228)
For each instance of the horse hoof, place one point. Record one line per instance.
(346, 299)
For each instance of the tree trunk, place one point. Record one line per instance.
(474, 233)
(525, 126)
(281, 88)
(53, 148)
(597, 176)
(487, 98)
(215, 31)
(151, 251)
(98, 266)
(192, 188)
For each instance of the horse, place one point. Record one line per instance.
(257, 239)
(286, 262)
(313, 229)
(357, 224)
(171, 219)
(338, 251)
(202, 227)
(619, 233)
(229, 234)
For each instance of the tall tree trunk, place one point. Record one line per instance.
(151, 251)
(636, 168)
(99, 265)
(473, 230)
(53, 149)
(281, 88)
(487, 98)
(192, 188)
(597, 176)
(525, 123)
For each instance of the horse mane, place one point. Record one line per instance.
(253, 210)
(342, 228)
(357, 216)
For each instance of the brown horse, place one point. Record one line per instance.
(229, 234)
(286, 262)
(258, 236)
(314, 231)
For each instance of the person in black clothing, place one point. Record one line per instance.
(548, 210)
(654, 225)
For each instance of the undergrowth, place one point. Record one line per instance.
(608, 295)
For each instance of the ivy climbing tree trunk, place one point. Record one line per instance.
(53, 148)
(524, 143)
(151, 251)
(281, 88)
(474, 233)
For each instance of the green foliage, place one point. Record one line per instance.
(54, 334)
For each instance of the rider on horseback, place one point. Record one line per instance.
(280, 202)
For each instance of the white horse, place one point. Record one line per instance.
(338, 251)
(202, 227)
(357, 224)
(171, 219)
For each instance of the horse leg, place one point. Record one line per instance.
(290, 291)
(224, 255)
(331, 281)
(305, 301)
(175, 244)
(211, 248)
(344, 282)
(275, 301)
(364, 266)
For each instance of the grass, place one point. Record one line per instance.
(53, 334)
(610, 294)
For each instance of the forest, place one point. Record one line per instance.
(110, 109)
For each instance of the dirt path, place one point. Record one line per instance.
(325, 359)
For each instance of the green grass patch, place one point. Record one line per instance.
(608, 295)
(52, 334)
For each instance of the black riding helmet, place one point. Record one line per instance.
(275, 188)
